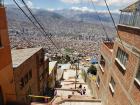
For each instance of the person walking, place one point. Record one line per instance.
(84, 91)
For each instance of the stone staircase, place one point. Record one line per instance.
(76, 100)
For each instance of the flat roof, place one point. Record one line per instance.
(51, 66)
(21, 55)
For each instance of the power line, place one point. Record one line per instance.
(42, 31)
(38, 22)
(114, 23)
(99, 19)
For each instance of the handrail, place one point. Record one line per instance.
(78, 100)
(50, 103)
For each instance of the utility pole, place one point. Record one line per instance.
(75, 76)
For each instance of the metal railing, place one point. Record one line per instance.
(130, 18)
(131, 15)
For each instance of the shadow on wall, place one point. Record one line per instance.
(16, 103)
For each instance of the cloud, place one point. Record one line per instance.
(77, 1)
(30, 4)
(71, 1)
(116, 3)
(52, 9)
(106, 11)
(82, 9)
(86, 9)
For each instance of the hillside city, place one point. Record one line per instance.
(69, 56)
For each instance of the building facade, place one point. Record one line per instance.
(118, 79)
(52, 78)
(24, 72)
(30, 72)
(7, 88)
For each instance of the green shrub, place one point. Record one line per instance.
(92, 70)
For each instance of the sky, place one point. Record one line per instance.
(82, 5)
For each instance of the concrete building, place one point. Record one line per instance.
(52, 73)
(30, 71)
(52, 78)
(118, 79)
(7, 88)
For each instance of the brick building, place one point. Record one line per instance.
(118, 79)
(24, 72)
(7, 88)
(30, 72)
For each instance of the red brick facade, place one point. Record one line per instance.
(36, 84)
(126, 90)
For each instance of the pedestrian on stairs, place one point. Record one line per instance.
(84, 91)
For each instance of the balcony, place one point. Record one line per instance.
(107, 48)
(130, 15)
(109, 45)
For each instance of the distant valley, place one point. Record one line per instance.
(76, 30)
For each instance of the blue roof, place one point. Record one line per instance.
(94, 61)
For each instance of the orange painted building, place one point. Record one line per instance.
(7, 88)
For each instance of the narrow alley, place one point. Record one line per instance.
(70, 93)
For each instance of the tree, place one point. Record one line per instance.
(68, 58)
(92, 70)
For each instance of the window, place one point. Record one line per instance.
(98, 81)
(112, 85)
(30, 74)
(41, 73)
(21, 83)
(137, 79)
(102, 63)
(25, 79)
(41, 57)
(121, 58)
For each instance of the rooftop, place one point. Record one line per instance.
(51, 66)
(21, 55)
